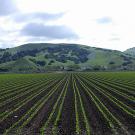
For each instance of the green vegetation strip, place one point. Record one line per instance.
(18, 91)
(20, 81)
(118, 103)
(26, 92)
(60, 107)
(82, 108)
(110, 87)
(27, 99)
(113, 122)
(46, 124)
(78, 130)
(34, 110)
(123, 86)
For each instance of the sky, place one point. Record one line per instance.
(99, 23)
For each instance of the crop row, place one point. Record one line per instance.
(67, 103)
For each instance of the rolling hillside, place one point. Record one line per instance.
(130, 51)
(42, 57)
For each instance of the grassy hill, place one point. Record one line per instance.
(130, 51)
(42, 57)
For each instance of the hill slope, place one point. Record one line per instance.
(130, 51)
(42, 57)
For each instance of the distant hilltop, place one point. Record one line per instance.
(44, 57)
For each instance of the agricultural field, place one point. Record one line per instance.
(94, 103)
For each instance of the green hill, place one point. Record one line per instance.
(130, 51)
(42, 57)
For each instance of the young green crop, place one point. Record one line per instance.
(35, 93)
(125, 108)
(106, 113)
(82, 108)
(46, 124)
(33, 110)
(44, 100)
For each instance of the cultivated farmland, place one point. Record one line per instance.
(68, 103)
